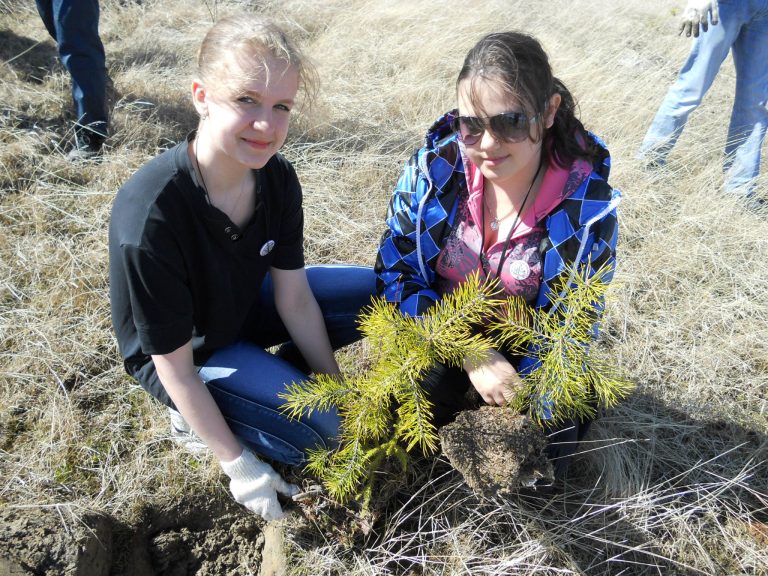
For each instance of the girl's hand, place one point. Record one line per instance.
(495, 379)
(255, 485)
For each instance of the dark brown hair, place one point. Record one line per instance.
(518, 63)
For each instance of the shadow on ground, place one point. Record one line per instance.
(30, 59)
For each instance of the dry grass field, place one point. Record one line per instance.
(675, 481)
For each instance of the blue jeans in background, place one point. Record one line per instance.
(245, 380)
(74, 25)
(743, 28)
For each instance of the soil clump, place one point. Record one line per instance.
(497, 450)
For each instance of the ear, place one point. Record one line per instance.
(200, 98)
(552, 106)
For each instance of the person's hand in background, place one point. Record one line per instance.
(698, 13)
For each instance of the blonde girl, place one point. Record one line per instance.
(207, 268)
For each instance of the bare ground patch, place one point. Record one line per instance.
(200, 536)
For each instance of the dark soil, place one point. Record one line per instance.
(202, 537)
(496, 450)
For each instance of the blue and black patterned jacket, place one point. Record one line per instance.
(583, 228)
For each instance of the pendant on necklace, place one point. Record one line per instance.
(494, 224)
(519, 269)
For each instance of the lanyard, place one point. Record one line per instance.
(515, 224)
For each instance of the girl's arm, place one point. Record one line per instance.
(400, 279)
(303, 319)
(253, 483)
(180, 379)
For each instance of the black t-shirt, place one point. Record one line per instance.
(180, 269)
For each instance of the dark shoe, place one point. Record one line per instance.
(87, 146)
(652, 162)
(543, 490)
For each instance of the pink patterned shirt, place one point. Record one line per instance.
(521, 272)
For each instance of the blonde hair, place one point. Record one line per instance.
(239, 39)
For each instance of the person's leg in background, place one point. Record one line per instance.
(749, 119)
(74, 24)
(694, 79)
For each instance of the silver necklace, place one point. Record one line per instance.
(243, 186)
(484, 261)
(495, 219)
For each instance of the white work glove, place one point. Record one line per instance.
(255, 485)
(695, 15)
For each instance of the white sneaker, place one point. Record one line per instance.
(183, 435)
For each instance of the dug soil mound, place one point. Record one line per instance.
(201, 537)
(496, 450)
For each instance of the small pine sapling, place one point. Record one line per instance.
(385, 412)
(566, 382)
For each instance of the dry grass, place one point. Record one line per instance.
(673, 482)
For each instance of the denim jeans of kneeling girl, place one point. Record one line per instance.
(245, 380)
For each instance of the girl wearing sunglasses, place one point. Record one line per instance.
(509, 185)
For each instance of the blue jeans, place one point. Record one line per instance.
(245, 380)
(74, 24)
(743, 28)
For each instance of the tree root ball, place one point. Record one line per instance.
(497, 450)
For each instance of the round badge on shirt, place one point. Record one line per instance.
(267, 248)
(519, 269)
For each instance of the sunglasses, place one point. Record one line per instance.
(507, 126)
